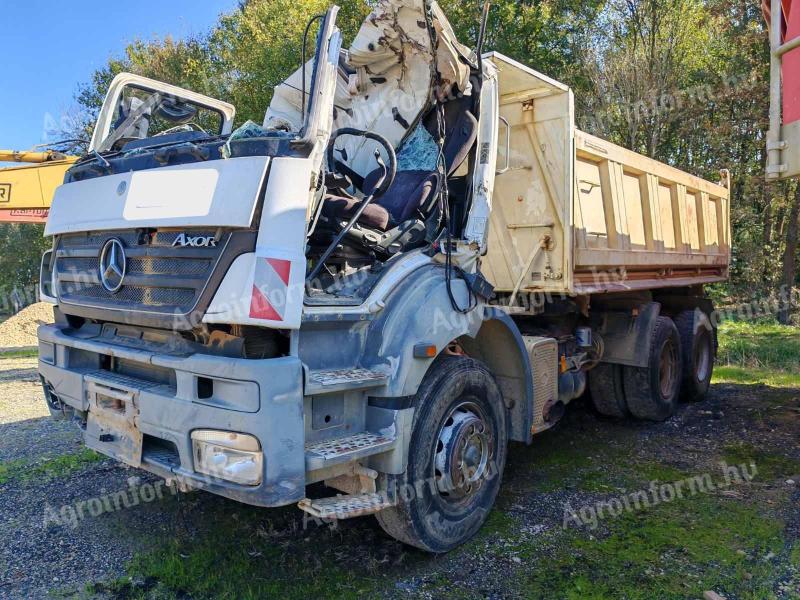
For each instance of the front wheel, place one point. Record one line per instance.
(456, 458)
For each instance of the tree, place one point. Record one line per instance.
(684, 81)
(22, 249)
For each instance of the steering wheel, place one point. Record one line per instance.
(391, 169)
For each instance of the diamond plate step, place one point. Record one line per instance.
(118, 380)
(338, 380)
(345, 449)
(345, 507)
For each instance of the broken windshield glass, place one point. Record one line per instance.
(143, 114)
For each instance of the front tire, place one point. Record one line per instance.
(456, 458)
(652, 392)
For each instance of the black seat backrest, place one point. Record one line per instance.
(461, 131)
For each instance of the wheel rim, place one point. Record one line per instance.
(668, 369)
(702, 358)
(464, 450)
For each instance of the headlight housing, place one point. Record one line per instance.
(235, 457)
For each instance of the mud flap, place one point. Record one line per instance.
(111, 426)
(626, 335)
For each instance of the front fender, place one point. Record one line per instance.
(417, 312)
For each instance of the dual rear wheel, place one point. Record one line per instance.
(680, 363)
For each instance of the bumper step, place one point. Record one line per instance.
(338, 380)
(117, 380)
(345, 449)
(345, 507)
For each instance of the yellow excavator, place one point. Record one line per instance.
(26, 191)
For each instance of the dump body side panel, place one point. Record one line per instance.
(575, 214)
(530, 230)
(640, 224)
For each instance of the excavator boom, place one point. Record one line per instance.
(26, 190)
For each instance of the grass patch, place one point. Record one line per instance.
(769, 466)
(28, 353)
(236, 557)
(760, 346)
(561, 459)
(747, 376)
(673, 550)
(51, 468)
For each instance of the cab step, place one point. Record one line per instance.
(339, 380)
(332, 452)
(345, 507)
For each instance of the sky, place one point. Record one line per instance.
(51, 47)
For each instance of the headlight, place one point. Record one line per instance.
(235, 457)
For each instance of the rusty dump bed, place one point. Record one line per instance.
(576, 214)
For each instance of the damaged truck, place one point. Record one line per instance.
(414, 260)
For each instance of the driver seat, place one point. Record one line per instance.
(413, 193)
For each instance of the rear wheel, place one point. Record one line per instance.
(606, 389)
(456, 458)
(699, 353)
(652, 392)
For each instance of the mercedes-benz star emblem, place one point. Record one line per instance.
(112, 265)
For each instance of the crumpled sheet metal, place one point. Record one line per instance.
(394, 60)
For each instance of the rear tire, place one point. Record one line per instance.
(456, 458)
(652, 392)
(607, 391)
(699, 353)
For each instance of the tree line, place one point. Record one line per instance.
(683, 81)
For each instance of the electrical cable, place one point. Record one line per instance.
(441, 166)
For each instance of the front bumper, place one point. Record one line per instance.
(262, 398)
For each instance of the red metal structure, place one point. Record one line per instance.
(783, 143)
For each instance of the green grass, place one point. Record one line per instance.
(769, 465)
(574, 460)
(761, 346)
(745, 376)
(231, 559)
(674, 550)
(51, 468)
(29, 353)
(753, 353)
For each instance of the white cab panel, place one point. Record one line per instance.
(267, 288)
(217, 193)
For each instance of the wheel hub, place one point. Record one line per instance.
(463, 451)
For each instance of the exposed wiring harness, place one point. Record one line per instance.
(444, 193)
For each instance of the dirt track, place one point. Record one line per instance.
(224, 548)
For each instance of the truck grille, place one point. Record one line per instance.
(158, 278)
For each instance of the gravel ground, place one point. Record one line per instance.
(19, 331)
(40, 558)
(35, 558)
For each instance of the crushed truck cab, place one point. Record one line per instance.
(415, 259)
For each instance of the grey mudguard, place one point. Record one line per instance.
(419, 311)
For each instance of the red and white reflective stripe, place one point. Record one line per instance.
(270, 289)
